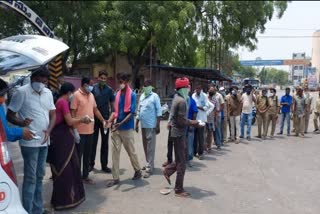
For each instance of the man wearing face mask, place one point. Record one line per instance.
(219, 108)
(149, 113)
(263, 106)
(234, 111)
(122, 123)
(179, 123)
(104, 97)
(247, 101)
(204, 108)
(34, 101)
(224, 115)
(317, 114)
(84, 104)
(272, 114)
(285, 102)
(299, 111)
(308, 108)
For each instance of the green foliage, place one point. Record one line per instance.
(246, 72)
(181, 33)
(274, 76)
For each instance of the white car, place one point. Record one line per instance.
(23, 52)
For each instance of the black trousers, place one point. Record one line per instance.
(84, 153)
(170, 148)
(179, 165)
(198, 141)
(104, 149)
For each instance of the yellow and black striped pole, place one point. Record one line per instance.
(55, 68)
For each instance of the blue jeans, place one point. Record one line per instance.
(285, 116)
(34, 170)
(190, 139)
(245, 118)
(218, 131)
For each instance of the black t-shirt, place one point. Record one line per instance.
(104, 96)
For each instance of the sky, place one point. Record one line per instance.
(301, 18)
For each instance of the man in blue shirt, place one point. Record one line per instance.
(12, 133)
(286, 102)
(104, 98)
(192, 115)
(122, 130)
(149, 113)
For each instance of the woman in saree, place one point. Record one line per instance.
(68, 191)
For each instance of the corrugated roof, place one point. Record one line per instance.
(202, 73)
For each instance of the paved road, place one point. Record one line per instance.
(279, 175)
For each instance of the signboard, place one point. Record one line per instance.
(24, 10)
(260, 62)
(298, 73)
(312, 78)
(275, 62)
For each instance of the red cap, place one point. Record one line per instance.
(182, 82)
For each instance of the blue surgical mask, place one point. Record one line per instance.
(38, 86)
(89, 88)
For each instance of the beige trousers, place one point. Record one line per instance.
(315, 120)
(306, 124)
(224, 129)
(262, 123)
(299, 124)
(125, 137)
(272, 118)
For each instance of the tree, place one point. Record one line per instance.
(275, 76)
(164, 27)
(246, 72)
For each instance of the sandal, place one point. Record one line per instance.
(167, 177)
(111, 183)
(89, 181)
(183, 194)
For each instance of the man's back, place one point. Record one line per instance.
(178, 116)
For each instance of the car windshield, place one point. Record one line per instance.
(11, 61)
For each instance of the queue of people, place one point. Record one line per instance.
(64, 131)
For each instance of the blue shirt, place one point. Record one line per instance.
(286, 99)
(13, 133)
(130, 123)
(192, 108)
(149, 110)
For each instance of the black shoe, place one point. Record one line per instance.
(241, 137)
(137, 175)
(106, 170)
(316, 130)
(280, 133)
(218, 148)
(91, 168)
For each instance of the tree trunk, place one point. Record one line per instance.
(135, 73)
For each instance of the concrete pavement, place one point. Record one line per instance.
(280, 175)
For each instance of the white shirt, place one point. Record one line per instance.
(29, 104)
(220, 100)
(203, 101)
(247, 103)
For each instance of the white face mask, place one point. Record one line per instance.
(89, 88)
(122, 86)
(70, 98)
(38, 86)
